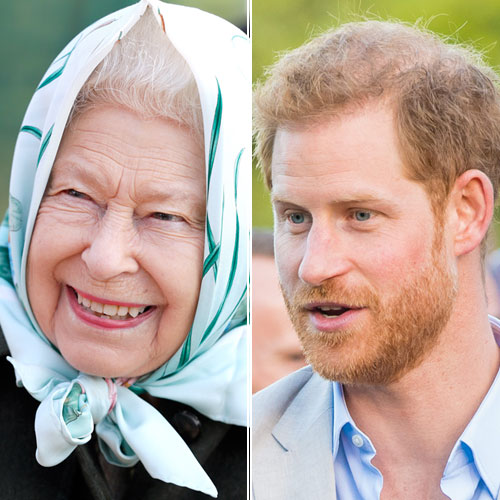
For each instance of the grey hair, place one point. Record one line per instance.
(145, 73)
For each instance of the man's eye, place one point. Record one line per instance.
(362, 215)
(296, 218)
(168, 217)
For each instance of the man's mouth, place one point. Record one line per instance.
(109, 310)
(331, 309)
(330, 316)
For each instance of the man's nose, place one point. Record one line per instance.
(111, 251)
(325, 256)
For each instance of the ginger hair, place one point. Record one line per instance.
(443, 96)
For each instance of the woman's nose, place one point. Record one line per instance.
(325, 256)
(111, 251)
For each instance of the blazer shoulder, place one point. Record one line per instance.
(269, 404)
(291, 439)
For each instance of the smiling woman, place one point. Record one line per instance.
(127, 192)
(123, 271)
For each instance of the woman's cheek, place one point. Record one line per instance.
(43, 290)
(52, 244)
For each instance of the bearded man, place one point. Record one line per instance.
(381, 146)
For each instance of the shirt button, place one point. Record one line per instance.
(357, 441)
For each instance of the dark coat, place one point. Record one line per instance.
(220, 448)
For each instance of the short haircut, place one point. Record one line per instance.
(444, 98)
(145, 73)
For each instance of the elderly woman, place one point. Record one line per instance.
(123, 270)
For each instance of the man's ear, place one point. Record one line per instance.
(471, 205)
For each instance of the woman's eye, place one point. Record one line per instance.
(76, 194)
(168, 217)
(362, 215)
(296, 218)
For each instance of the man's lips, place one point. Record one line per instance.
(330, 309)
(329, 316)
(103, 313)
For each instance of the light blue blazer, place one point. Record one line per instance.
(292, 439)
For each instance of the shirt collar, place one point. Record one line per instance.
(481, 436)
(340, 416)
(344, 424)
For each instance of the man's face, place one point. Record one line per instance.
(363, 264)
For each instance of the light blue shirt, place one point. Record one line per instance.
(471, 473)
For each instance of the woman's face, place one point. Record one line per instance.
(115, 262)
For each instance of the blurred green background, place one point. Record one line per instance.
(32, 32)
(279, 25)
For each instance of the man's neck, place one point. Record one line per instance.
(415, 422)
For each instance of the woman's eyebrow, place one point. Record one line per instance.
(154, 194)
(99, 179)
(64, 169)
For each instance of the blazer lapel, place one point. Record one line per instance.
(305, 433)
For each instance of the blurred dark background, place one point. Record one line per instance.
(32, 32)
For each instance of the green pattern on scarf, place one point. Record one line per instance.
(186, 350)
(213, 248)
(15, 214)
(214, 139)
(58, 72)
(211, 259)
(32, 130)
(5, 265)
(44, 145)
(234, 262)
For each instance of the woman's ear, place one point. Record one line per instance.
(471, 205)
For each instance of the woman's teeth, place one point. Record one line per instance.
(109, 311)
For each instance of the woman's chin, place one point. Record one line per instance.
(107, 352)
(103, 361)
(101, 364)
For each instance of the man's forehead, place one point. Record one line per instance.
(362, 142)
(350, 159)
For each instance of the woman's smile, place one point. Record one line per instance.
(104, 313)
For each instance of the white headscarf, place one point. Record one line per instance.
(208, 372)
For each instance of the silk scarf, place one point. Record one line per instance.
(208, 372)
